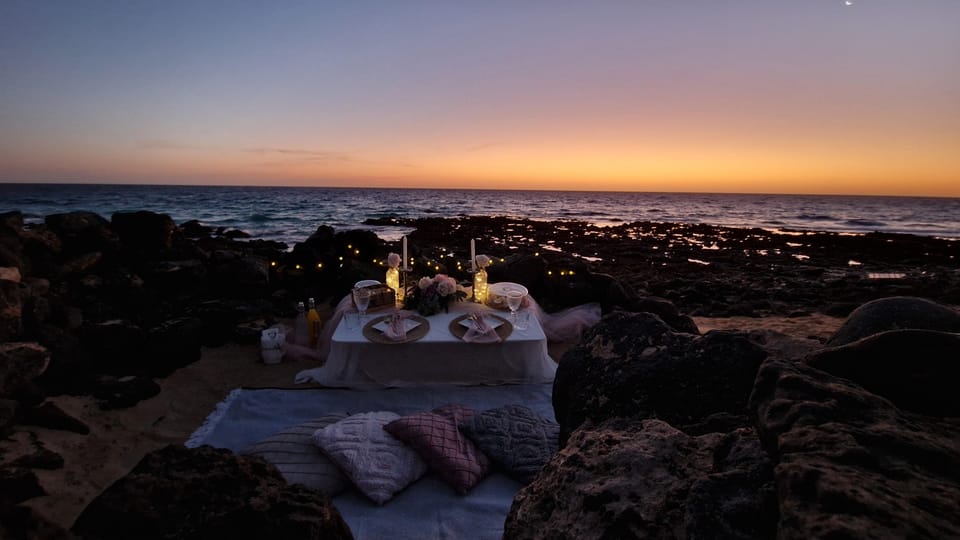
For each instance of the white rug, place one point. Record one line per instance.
(429, 508)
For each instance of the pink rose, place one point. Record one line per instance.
(393, 260)
(424, 283)
(446, 286)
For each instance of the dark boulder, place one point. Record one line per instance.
(636, 366)
(173, 345)
(70, 368)
(238, 274)
(203, 493)
(144, 234)
(849, 463)
(177, 276)
(194, 229)
(11, 304)
(20, 364)
(8, 416)
(11, 248)
(661, 308)
(83, 232)
(221, 317)
(83, 264)
(17, 485)
(41, 251)
(896, 313)
(122, 392)
(917, 370)
(115, 347)
(23, 522)
(645, 479)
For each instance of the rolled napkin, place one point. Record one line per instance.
(396, 328)
(480, 331)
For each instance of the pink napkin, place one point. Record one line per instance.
(480, 331)
(396, 328)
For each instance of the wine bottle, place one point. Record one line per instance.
(313, 319)
(301, 328)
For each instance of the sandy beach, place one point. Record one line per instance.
(118, 439)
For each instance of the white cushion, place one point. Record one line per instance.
(378, 464)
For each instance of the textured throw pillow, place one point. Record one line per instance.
(447, 451)
(293, 453)
(517, 439)
(376, 462)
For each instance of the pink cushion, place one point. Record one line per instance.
(434, 435)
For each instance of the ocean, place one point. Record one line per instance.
(291, 214)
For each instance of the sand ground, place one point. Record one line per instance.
(118, 439)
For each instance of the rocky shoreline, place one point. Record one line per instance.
(90, 306)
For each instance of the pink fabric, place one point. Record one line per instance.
(396, 328)
(480, 331)
(449, 453)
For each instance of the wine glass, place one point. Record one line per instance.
(514, 299)
(361, 297)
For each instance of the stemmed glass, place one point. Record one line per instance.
(514, 299)
(361, 297)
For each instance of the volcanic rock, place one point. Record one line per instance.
(629, 478)
(851, 464)
(636, 366)
(895, 313)
(123, 392)
(205, 492)
(83, 232)
(915, 369)
(11, 306)
(20, 364)
(144, 234)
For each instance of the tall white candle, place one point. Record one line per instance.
(473, 255)
(405, 261)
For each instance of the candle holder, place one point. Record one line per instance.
(480, 286)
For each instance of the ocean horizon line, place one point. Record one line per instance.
(494, 190)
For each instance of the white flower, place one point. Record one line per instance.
(393, 260)
(424, 283)
(483, 261)
(446, 286)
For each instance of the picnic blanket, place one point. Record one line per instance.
(429, 508)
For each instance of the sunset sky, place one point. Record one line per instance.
(768, 96)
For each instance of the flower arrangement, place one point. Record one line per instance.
(430, 295)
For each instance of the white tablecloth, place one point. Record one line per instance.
(438, 357)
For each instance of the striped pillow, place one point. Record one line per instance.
(293, 453)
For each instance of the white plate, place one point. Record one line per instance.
(491, 322)
(365, 283)
(503, 287)
(408, 324)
